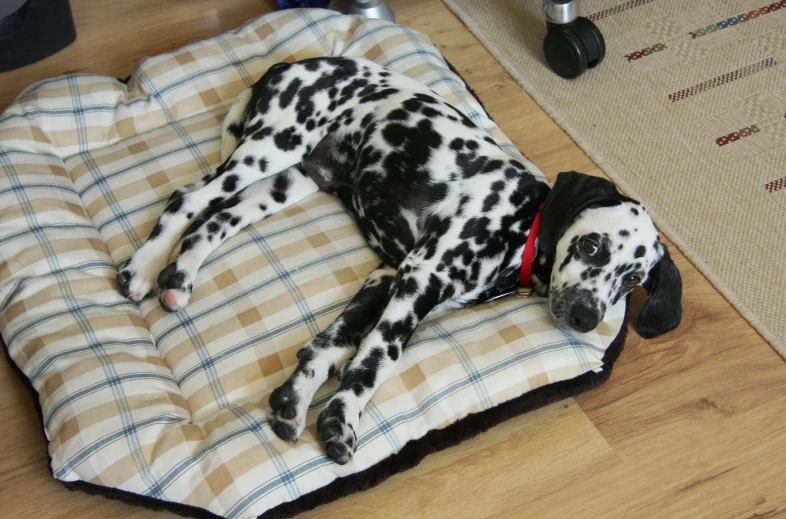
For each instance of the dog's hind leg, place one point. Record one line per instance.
(232, 127)
(326, 353)
(223, 220)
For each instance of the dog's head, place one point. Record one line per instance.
(595, 246)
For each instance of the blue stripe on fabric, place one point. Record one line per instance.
(92, 166)
(283, 41)
(85, 453)
(466, 362)
(51, 359)
(19, 283)
(47, 187)
(97, 182)
(109, 382)
(305, 15)
(69, 112)
(43, 228)
(253, 341)
(262, 285)
(285, 277)
(75, 308)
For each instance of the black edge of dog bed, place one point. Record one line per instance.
(408, 457)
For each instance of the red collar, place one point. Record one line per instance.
(529, 251)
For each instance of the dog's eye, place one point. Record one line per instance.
(590, 246)
(632, 280)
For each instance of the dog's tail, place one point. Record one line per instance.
(233, 125)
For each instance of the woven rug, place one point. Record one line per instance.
(688, 114)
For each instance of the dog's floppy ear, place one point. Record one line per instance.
(663, 310)
(572, 193)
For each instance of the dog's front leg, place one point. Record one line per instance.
(414, 294)
(327, 352)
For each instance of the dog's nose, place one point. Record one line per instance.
(583, 318)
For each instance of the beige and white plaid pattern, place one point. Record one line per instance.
(174, 406)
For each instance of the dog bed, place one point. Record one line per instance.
(170, 410)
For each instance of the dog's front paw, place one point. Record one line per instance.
(175, 285)
(138, 277)
(289, 408)
(336, 426)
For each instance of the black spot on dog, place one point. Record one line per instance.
(379, 95)
(261, 134)
(262, 164)
(641, 250)
(464, 200)
(490, 202)
(280, 186)
(236, 130)
(624, 233)
(248, 160)
(234, 221)
(230, 183)
(492, 165)
(288, 94)
(171, 277)
(174, 206)
(407, 288)
(288, 139)
(363, 377)
(156, 232)
(427, 300)
(634, 211)
(397, 331)
(470, 165)
(189, 243)
(398, 115)
(476, 229)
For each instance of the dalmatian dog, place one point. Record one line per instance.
(447, 211)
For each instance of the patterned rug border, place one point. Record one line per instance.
(598, 159)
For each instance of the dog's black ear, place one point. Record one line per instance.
(572, 193)
(663, 310)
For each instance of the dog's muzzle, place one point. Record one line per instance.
(575, 308)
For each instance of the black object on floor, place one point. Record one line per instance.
(31, 30)
(572, 43)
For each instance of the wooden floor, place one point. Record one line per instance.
(690, 425)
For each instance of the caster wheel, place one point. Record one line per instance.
(572, 48)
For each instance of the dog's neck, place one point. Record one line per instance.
(542, 265)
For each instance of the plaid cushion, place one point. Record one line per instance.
(174, 406)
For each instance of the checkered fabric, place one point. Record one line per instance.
(175, 406)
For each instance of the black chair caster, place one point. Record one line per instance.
(572, 43)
